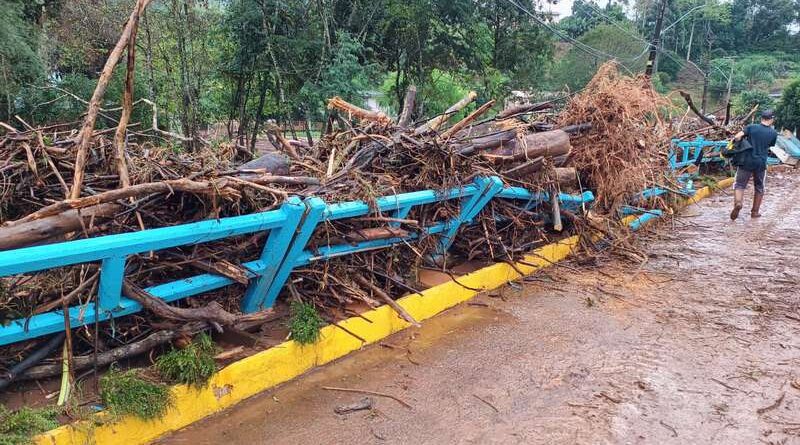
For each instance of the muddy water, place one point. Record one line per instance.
(697, 345)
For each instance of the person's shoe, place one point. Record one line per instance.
(757, 198)
(735, 212)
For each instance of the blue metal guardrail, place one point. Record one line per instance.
(684, 153)
(289, 229)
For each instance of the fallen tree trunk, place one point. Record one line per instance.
(108, 357)
(211, 313)
(183, 185)
(566, 176)
(548, 144)
(23, 234)
(489, 141)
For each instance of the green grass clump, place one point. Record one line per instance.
(19, 427)
(126, 392)
(305, 322)
(708, 181)
(192, 365)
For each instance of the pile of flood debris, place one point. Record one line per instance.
(57, 185)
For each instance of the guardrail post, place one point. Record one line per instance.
(495, 185)
(272, 255)
(487, 188)
(315, 209)
(400, 213)
(112, 272)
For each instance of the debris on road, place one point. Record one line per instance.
(365, 403)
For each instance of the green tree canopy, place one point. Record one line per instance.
(787, 112)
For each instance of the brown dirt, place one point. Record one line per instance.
(694, 346)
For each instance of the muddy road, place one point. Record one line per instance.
(698, 345)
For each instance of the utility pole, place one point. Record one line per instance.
(728, 96)
(707, 71)
(656, 41)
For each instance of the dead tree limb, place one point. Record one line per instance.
(438, 121)
(522, 109)
(85, 135)
(408, 107)
(688, 98)
(464, 122)
(357, 112)
(220, 186)
(211, 313)
(386, 299)
(107, 357)
(40, 354)
(23, 234)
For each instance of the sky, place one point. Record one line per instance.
(564, 7)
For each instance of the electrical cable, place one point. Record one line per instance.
(594, 52)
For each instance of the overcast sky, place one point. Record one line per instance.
(564, 7)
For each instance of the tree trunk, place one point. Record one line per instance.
(547, 143)
(262, 97)
(34, 232)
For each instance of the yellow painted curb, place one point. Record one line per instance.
(706, 191)
(281, 363)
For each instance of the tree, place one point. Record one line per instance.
(19, 61)
(787, 113)
(746, 100)
(346, 76)
(578, 67)
(587, 14)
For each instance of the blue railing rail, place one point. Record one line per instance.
(289, 230)
(684, 153)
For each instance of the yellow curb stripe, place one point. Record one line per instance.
(264, 370)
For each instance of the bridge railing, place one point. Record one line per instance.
(684, 153)
(288, 230)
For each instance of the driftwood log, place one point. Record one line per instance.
(545, 144)
(37, 231)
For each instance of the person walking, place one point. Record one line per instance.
(754, 164)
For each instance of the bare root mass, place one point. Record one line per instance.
(625, 150)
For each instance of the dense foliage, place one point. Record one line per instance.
(220, 68)
(788, 110)
(19, 427)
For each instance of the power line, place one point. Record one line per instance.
(594, 52)
(663, 53)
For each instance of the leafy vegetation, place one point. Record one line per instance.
(576, 68)
(192, 365)
(19, 427)
(128, 393)
(305, 323)
(787, 112)
(230, 66)
(746, 100)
